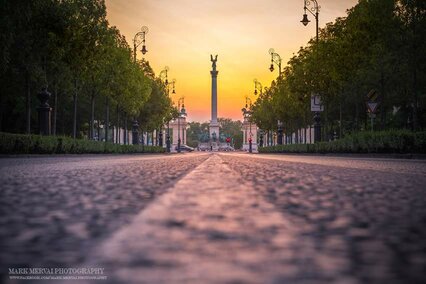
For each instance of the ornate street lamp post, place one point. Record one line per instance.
(314, 11)
(181, 113)
(305, 21)
(247, 116)
(257, 87)
(163, 76)
(138, 40)
(275, 58)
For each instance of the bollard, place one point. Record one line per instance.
(135, 133)
(168, 143)
(44, 111)
(317, 127)
(160, 138)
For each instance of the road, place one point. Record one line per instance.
(216, 218)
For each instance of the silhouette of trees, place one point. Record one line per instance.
(379, 45)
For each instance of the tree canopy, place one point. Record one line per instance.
(379, 45)
(69, 46)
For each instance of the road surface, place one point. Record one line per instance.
(216, 218)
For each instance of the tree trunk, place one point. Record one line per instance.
(55, 109)
(125, 130)
(106, 126)
(415, 119)
(92, 116)
(383, 101)
(340, 115)
(28, 102)
(117, 136)
(98, 130)
(74, 120)
(416, 15)
(357, 125)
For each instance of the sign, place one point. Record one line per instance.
(372, 107)
(372, 101)
(373, 96)
(316, 103)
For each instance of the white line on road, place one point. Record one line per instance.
(211, 227)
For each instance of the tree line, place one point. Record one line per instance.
(379, 45)
(199, 132)
(87, 65)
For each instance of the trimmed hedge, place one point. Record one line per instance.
(392, 141)
(35, 144)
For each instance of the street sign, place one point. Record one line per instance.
(372, 107)
(372, 101)
(373, 96)
(316, 103)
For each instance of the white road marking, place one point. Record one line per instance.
(211, 227)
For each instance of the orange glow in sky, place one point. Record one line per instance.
(183, 33)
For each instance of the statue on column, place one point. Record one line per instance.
(213, 62)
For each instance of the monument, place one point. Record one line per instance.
(214, 125)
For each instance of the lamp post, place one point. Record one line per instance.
(138, 39)
(275, 58)
(168, 121)
(314, 11)
(280, 132)
(305, 21)
(163, 76)
(257, 87)
(247, 117)
(181, 113)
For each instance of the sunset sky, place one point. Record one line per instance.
(183, 33)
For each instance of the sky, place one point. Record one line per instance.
(183, 33)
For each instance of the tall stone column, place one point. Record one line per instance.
(214, 95)
(214, 125)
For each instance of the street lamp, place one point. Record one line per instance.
(181, 113)
(314, 11)
(305, 21)
(247, 116)
(257, 87)
(138, 40)
(275, 58)
(163, 76)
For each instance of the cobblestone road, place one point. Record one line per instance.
(217, 218)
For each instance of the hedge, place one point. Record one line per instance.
(392, 141)
(35, 144)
